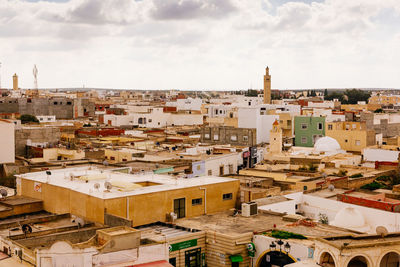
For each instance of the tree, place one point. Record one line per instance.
(252, 92)
(355, 95)
(378, 110)
(326, 92)
(28, 118)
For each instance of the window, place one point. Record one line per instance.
(227, 196)
(330, 126)
(179, 207)
(320, 126)
(207, 136)
(41, 119)
(304, 140)
(112, 158)
(358, 142)
(305, 188)
(245, 138)
(69, 103)
(55, 103)
(234, 137)
(150, 120)
(347, 127)
(345, 140)
(197, 201)
(304, 126)
(216, 137)
(124, 160)
(354, 126)
(209, 172)
(289, 123)
(198, 167)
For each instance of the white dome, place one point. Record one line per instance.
(350, 218)
(326, 144)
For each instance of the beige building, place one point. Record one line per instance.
(275, 138)
(7, 142)
(352, 136)
(95, 194)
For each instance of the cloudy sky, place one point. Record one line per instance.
(201, 44)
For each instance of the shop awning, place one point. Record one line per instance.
(236, 258)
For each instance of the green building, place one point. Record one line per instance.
(308, 129)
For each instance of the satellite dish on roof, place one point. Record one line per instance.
(27, 229)
(331, 187)
(78, 221)
(3, 193)
(108, 185)
(105, 163)
(96, 186)
(382, 231)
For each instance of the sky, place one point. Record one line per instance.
(201, 44)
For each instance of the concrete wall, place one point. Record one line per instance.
(223, 135)
(48, 135)
(7, 142)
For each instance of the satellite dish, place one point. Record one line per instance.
(105, 163)
(381, 230)
(27, 229)
(324, 175)
(107, 185)
(96, 185)
(331, 187)
(3, 192)
(79, 221)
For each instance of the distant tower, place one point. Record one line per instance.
(275, 138)
(15, 82)
(267, 87)
(35, 73)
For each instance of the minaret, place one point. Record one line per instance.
(15, 81)
(267, 87)
(275, 138)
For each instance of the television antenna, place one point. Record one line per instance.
(108, 186)
(382, 231)
(3, 193)
(35, 73)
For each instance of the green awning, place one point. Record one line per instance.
(236, 258)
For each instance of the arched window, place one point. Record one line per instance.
(327, 260)
(358, 261)
(391, 259)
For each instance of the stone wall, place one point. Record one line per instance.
(223, 135)
(50, 135)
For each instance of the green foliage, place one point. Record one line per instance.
(373, 186)
(357, 175)
(87, 125)
(349, 96)
(252, 92)
(384, 178)
(326, 92)
(286, 235)
(378, 110)
(323, 218)
(28, 118)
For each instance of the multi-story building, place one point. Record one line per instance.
(352, 136)
(308, 129)
(7, 142)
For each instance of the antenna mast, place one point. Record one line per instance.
(35, 73)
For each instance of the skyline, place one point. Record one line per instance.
(195, 45)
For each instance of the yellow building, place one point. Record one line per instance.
(360, 107)
(94, 194)
(384, 99)
(352, 136)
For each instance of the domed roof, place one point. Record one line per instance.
(350, 218)
(326, 144)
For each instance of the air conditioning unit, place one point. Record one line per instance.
(249, 209)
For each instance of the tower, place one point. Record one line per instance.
(267, 87)
(35, 73)
(15, 81)
(275, 138)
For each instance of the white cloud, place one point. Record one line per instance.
(193, 44)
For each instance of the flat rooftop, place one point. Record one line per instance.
(92, 181)
(160, 231)
(225, 223)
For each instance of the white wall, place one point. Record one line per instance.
(7, 142)
(288, 207)
(214, 163)
(312, 206)
(374, 154)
